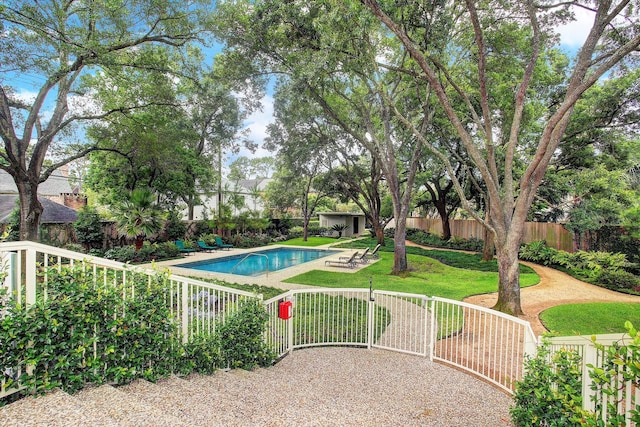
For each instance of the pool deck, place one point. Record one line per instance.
(273, 278)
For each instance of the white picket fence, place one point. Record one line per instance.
(483, 342)
(626, 395)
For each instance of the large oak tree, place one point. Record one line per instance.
(57, 42)
(511, 39)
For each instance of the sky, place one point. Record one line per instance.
(572, 36)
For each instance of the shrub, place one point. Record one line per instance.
(251, 240)
(550, 393)
(241, 337)
(619, 280)
(316, 230)
(590, 265)
(88, 228)
(208, 238)
(621, 365)
(74, 247)
(57, 336)
(295, 232)
(134, 336)
(599, 268)
(424, 238)
(174, 227)
(121, 254)
(202, 227)
(147, 253)
(538, 252)
(201, 354)
(97, 253)
(166, 250)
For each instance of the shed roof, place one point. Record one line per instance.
(341, 213)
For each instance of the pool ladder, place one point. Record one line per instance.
(247, 256)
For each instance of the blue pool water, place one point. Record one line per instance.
(255, 263)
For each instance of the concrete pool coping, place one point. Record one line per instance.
(274, 279)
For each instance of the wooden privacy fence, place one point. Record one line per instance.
(555, 235)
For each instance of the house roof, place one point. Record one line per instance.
(258, 183)
(53, 212)
(341, 213)
(55, 185)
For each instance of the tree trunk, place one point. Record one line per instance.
(446, 228)
(509, 279)
(400, 264)
(190, 208)
(305, 228)
(441, 207)
(379, 232)
(29, 216)
(487, 249)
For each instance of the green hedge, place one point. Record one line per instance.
(550, 393)
(135, 337)
(609, 270)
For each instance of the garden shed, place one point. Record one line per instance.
(354, 221)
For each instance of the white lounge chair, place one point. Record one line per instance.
(349, 262)
(363, 258)
(374, 253)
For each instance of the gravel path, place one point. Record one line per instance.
(358, 387)
(324, 386)
(555, 288)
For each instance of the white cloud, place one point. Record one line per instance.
(25, 95)
(574, 33)
(256, 126)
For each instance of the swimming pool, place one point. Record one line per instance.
(256, 263)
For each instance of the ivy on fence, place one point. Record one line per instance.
(550, 393)
(85, 332)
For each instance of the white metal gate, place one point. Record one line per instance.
(403, 324)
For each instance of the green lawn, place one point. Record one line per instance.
(311, 241)
(456, 275)
(427, 277)
(590, 318)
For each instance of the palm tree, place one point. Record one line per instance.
(139, 217)
(339, 228)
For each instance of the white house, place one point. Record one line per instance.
(249, 190)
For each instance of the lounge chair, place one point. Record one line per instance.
(222, 245)
(349, 262)
(183, 249)
(362, 258)
(374, 253)
(207, 248)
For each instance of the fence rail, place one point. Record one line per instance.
(481, 341)
(194, 304)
